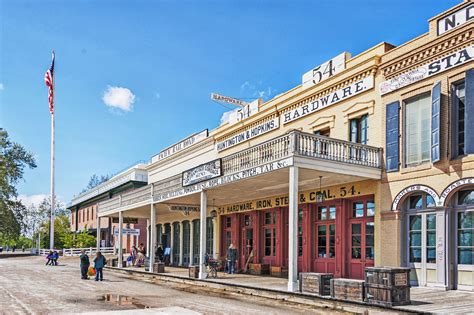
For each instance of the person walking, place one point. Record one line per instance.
(99, 263)
(159, 253)
(231, 259)
(85, 263)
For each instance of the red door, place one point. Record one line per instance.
(360, 237)
(247, 240)
(325, 247)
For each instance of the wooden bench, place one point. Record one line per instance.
(347, 289)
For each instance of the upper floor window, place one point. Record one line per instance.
(418, 130)
(458, 117)
(358, 129)
(323, 132)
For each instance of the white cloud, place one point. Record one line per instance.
(249, 89)
(29, 200)
(2, 87)
(158, 96)
(119, 97)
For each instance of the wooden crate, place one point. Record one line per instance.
(347, 289)
(194, 272)
(259, 269)
(319, 283)
(158, 267)
(277, 271)
(388, 286)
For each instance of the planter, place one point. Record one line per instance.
(318, 283)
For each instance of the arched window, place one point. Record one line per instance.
(465, 226)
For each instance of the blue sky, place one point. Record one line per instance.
(170, 55)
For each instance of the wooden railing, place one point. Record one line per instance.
(326, 148)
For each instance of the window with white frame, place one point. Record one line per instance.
(417, 130)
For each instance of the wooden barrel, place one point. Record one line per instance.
(388, 286)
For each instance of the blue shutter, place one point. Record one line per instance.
(392, 153)
(435, 111)
(469, 113)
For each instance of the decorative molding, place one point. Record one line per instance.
(358, 109)
(454, 187)
(411, 189)
(323, 122)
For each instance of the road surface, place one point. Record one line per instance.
(27, 286)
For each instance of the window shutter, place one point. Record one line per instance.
(454, 121)
(435, 122)
(392, 154)
(469, 113)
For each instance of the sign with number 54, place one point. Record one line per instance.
(325, 70)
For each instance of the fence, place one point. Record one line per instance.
(77, 251)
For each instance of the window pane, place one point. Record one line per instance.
(466, 197)
(370, 208)
(356, 240)
(415, 238)
(465, 220)
(431, 238)
(465, 256)
(228, 222)
(369, 253)
(322, 213)
(369, 228)
(431, 255)
(430, 201)
(465, 238)
(356, 253)
(358, 209)
(332, 213)
(356, 229)
(415, 254)
(418, 130)
(416, 202)
(431, 221)
(415, 222)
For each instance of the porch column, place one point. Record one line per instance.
(98, 232)
(151, 249)
(148, 237)
(181, 243)
(202, 233)
(214, 237)
(293, 230)
(191, 242)
(120, 237)
(172, 243)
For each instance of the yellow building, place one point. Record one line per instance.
(302, 183)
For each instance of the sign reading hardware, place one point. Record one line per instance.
(248, 134)
(202, 172)
(456, 19)
(185, 208)
(325, 70)
(329, 99)
(180, 146)
(227, 99)
(453, 60)
(225, 179)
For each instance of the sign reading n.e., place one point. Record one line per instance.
(324, 71)
(447, 62)
(456, 19)
(329, 99)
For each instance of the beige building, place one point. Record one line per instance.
(312, 180)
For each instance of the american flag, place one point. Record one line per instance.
(48, 79)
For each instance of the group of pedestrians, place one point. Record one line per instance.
(99, 263)
(137, 256)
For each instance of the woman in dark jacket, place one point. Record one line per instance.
(99, 263)
(84, 264)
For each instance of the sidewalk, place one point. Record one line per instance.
(424, 300)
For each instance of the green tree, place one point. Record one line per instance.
(95, 181)
(13, 161)
(61, 228)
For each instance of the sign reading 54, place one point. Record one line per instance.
(347, 191)
(325, 70)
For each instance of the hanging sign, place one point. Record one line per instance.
(227, 99)
(186, 209)
(248, 134)
(180, 146)
(325, 70)
(329, 99)
(127, 231)
(456, 19)
(450, 61)
(202, 172)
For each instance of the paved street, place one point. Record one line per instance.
(28, 286)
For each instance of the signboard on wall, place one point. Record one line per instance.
(325, 70)
(329, 99)
(456, 19)
(186, 209)
(126, 220)
(448, 62)
(202, 172)
(254, 131)
(181, 145)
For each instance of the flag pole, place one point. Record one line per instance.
(51, 235)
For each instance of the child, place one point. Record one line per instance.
(49, 258)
